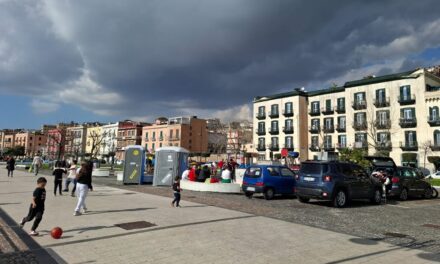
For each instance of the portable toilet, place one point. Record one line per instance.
(170, 162)
(134, 165)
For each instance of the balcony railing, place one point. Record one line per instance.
(407, 99)
(340, 109)
(384, 146)
(407, 122)
(288, 130)
(261, 132)
(314, 129)
(383, 124)
(147, 139)
(360, 125)
(314, 148)
(341, 145)
(382, 102)
(329, 128)
(160, 138)
(314, 112)
(341, 128)
(409, 146)
(289, 147)
(288, 112)
(360, 145)
(274, 131)
(329, 147)
(274, 114)
(261, 116)
(274, 147)
(327, 110)
(359, 104)
(435, 146)
(261, 147)
(175, 138)
(153, 139)
(434, 121)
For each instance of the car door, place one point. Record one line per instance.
(409, 181)
(349, 179)
(288, 178)
(273, 179)
(361, 185)
(419, 182)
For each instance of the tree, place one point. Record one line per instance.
(96, 140)
(356, 156)
(426, 148)
(375, 125)
(15, 151)
(58, 140)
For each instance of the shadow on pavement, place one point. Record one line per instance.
(119, 211)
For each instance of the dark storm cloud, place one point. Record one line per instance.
(173, 57)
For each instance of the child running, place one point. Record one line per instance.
(36, 209)
(176, 189)
(58, 181)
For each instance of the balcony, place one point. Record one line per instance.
(435, 146)
(147, 139)
(340, 109)
(289, 147)
(287, 112)
(407, 122)
(359, 104)
(261, 147)
(160, 138)
(358, 126)
(314, 147)
(383, 124)
(341, 128)
(261, 132)
(382, 102)
(434, 121)
(329, 129)
(176, 138)
(314, 112)
(288, 130)
(384, 146)
(327, 110)
(329, 147)
(340, 146)
(360, 144)
(261, 116)
(409, 146)
(314, 129)
(274, 114)
(274, 131)
(274, 147)
(153, 139)
(407, 99)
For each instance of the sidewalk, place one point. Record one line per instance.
(193, 234)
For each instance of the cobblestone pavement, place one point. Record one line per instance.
(412, 224)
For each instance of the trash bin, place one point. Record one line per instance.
(170, 162)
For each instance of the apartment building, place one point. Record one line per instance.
(56, 140)
(395, 115)
(188, 132)
(33, 142)
(280, 121)
(7, 139)
(129, 133)
(109, 140)
(76, 141)
(238, 134)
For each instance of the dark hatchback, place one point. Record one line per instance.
(335, 181)
(409, 182)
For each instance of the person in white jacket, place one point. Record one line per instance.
(36, 163)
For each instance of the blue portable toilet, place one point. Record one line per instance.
(170, 162)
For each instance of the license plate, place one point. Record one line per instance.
(309, 179)
(251, 189)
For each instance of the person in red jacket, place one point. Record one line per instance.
(192, 174)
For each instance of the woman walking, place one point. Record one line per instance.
(10, 166)
(83, 185)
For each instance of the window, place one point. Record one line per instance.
(328, 122)
(171, 133)
(383, 138)
(341, 122)
(154, 135)
(274, 109)
(360, 118)
(405, 92)
(146, 146)
(327, 141)
(161, 134)
(261, 142)
(153, 146)
(160, 145)
(288, 108)
(408, 113)
(434, 113)
(253, 172)
(177, 133)
(146, 134)
(383, 117)
(410, 138)
(315, 123)
(288, 141)
(345, 169)
(314, 141)
(437, 137)
(359, 97)
(380, 95)
(288, 123)
(261, 126)
(315, 107)
(342, 141)
(313, 168)
(341, 103)
(274, 141)
(287, 173)
(274, 125)
(328, 104)
(360, 137)
(273, 171)
(261, 110)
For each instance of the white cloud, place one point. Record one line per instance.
(40, 106)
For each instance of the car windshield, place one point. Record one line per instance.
(253, 172)
(313, 168)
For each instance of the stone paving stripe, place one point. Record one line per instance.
(432, 226)
(150, 230)
(41, 254)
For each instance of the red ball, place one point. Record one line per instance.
(56, 232)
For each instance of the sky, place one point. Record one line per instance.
(108, 60)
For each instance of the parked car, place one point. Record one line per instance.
(270, 180)
(409, 182)
(435, 175)
(335, 181)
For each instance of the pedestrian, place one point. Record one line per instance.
(176, 191)
(83, 185)
(232, 166)
(226, 175)
(185, 174)
(58, 172)
(36, 163)
(10, 166)
(221, 164)
(36, 208)
(72, 175)
(192, 174)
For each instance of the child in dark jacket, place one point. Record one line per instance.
(58, 181)
(176, 190)
(36, 209)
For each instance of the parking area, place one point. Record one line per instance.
(414, 223)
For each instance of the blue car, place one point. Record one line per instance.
(269, 180)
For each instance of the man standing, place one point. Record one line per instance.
(36, 163)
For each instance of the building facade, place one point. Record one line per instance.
(33, 142)
(76, 141)
(129, 133)
(394, 115)
(109, 142)
(187, 132)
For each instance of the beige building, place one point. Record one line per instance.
(76, 141)
(395, 115)
(188, 132)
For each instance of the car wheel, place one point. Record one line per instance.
(249, 195)
(269, 193)
(434, 193)
(340, 199)
(427, 194)
(377, 197)
(404, 195)
(303, 199)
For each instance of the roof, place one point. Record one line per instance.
(326, 91)
(296, 92)
(383, 78)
